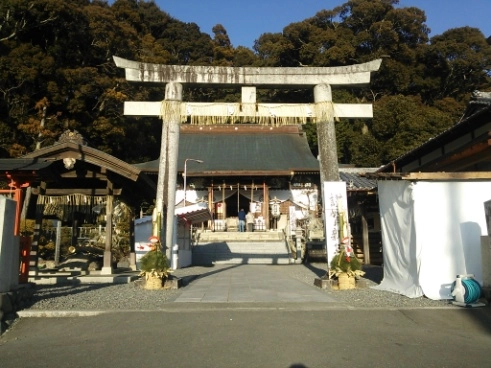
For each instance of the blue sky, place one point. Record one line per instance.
(246, 20)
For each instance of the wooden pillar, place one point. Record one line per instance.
(107, 267)
(366, 240)
(211, 206)
(252, 192)
(33, 256)
(266, 206)
(224, 209)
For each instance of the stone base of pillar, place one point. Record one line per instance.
(107, 268)
(106, 271)
(133, 261)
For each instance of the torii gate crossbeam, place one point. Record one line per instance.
(265, 77)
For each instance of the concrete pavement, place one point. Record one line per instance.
(250, 283)
(215, 335)
(240, 316)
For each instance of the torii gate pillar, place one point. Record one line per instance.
(169, 149)
(326, 133)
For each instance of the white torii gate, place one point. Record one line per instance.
(173, 110)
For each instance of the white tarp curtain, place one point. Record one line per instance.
(195, 196)
(192, 196)
(304, 198)
(431, 232)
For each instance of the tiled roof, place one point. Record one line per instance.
(356, 180)
(242, 150)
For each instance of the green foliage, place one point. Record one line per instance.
(310, 130)
(404, 122)
(154, 263)
(366, 151)
(341, 263)
(244, 57)
(223, 52)
(274, 50)
(345, 263)
(458, 62)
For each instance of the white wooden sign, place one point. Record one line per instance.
(335, 202)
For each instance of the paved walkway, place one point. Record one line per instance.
(250, 283)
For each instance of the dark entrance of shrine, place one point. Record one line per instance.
(235, 203)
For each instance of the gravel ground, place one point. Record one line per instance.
(132, 297)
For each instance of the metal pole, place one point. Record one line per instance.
(185, 172)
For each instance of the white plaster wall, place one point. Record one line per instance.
(185, 258)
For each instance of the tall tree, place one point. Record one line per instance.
(273, 49)
(186, 44)
(402, 123)
(223, 52)
(244, 57)
(457, 63)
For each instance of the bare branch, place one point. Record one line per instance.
(21, 24)
(6, 91)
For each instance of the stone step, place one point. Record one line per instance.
(95, 278)
(209, 237)
(240, 252)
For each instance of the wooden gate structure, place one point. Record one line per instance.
(82, 174)
(173, 110)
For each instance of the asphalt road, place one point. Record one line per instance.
(253, 335)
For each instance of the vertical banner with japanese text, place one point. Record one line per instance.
(335, 202)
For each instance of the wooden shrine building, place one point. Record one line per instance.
(68, 179)
(245, 166)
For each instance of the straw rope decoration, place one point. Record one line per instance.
(170, 108)
(230, 113)
(63, 206)
(324, 111)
